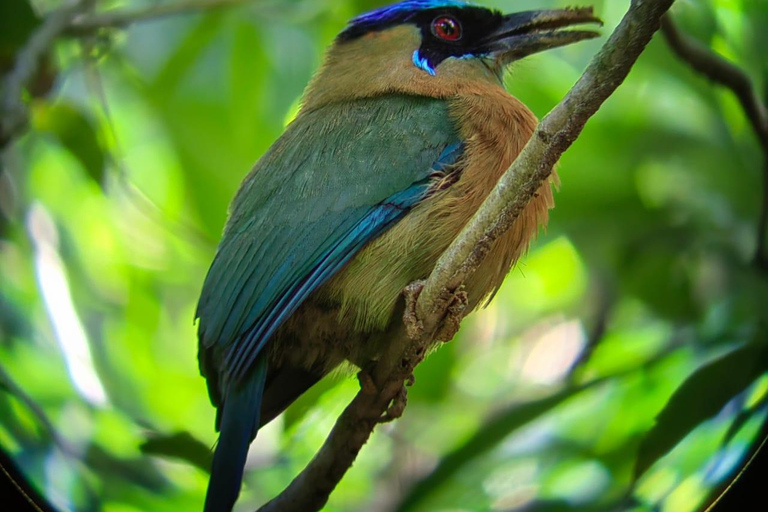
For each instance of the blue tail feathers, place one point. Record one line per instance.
(239, 424)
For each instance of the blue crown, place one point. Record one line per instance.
(396, 11)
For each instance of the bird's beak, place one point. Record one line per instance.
(524, 33)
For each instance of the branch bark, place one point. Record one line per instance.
(310, 490)
(721, 71)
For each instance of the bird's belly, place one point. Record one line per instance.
(495, 127)
(368, 291)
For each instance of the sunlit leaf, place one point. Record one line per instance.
(75, 132)
(488, 436)
(738, 423)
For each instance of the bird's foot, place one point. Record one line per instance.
(414, 327)
(367, 386)
(453, 316)
(397, 407)
(449, 326)
(397, 391)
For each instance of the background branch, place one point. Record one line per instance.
(721, 71)
(13, 110)
(502, 423)
(121, 18)
(310, 489)
(73, 20)
(727, 74)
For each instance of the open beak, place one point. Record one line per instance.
(524, 33)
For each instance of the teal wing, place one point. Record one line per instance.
(337, 178)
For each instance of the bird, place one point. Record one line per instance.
(401, 135)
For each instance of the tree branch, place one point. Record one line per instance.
(310, 490)
(721, 71)
(727, 74)
(121, 18)
(504, 422)
(72, 20)
(554, 135)
(13, 111)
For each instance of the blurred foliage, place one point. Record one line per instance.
(622, 365)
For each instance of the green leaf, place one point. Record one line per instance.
(486, 438)
(17, 22)
(738, 423)
(437, 371)
(137, 471)
(658, 273)
(180, 445)
(75, 132)
(699, 398)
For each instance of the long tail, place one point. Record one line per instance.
(239, 424)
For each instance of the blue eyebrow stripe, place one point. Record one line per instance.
(423, 63)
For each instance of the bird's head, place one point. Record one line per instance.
(437, 47)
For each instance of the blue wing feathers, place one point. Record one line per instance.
(449, 156)
(239, 421)
(375, 222)
(333, 182)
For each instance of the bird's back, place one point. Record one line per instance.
(334, 172)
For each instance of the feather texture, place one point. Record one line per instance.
(335, 180)
(382, 168)
(239, 421)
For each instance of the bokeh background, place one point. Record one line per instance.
(623, 366)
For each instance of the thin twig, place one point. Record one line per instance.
(718, 69)
(121, 18)
(13, 110)
(506, 421)
(15, 390)
(73, 20)
(311, 488)
(721, 71)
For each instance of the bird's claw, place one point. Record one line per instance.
(397, 407)
(453, 316)
(414, 327)
(449, 326)
(367, 386)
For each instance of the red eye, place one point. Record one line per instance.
(447, 28)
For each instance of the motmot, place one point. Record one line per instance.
(400, 136)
